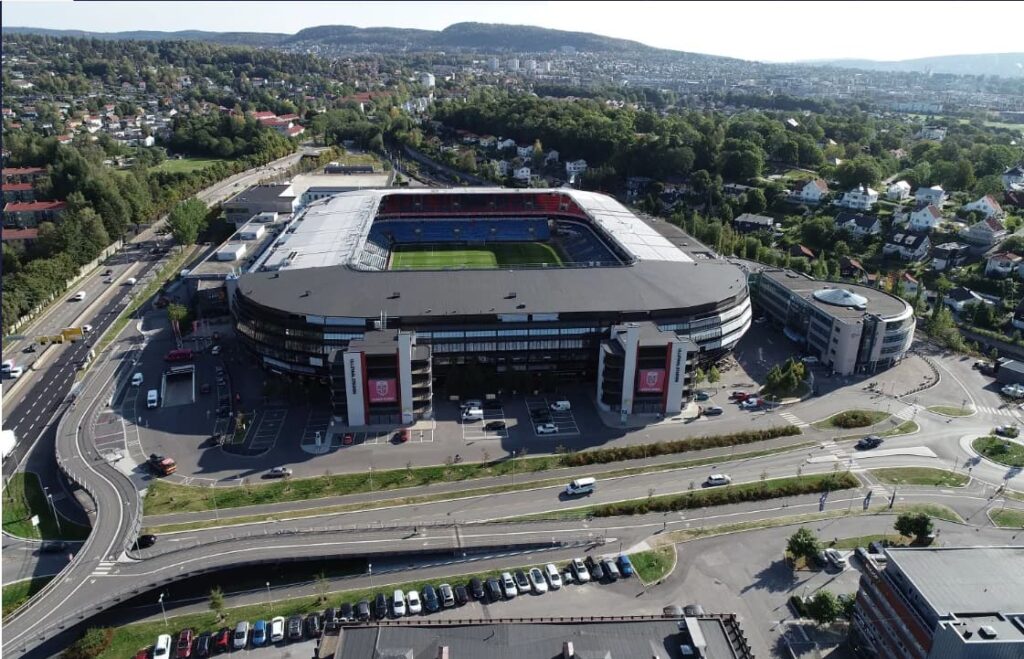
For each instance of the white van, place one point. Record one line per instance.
(162, 647)
(152, 398)
(131, 281)
(79, 296)
(560, 406)
(472, 414)
(137, 379)
(581, 486)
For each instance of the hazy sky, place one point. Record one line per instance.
(767, 31)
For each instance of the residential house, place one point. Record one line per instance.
(1013, 178)
(959, 298)
(524, 151)
(501, 167)
(552, 156)
(985, 232)
(859, 224)
(1014, 198)
(850, 268)
(859, 198)
(22, 214)
(986, 205)
(908, 283)
(1018, 316)
(924, 217)
(19, 192)
(487, 141)
(936, 133)
(799, 251)
(521, 174)
(933, 195)
(23, 174)
(20, 237)
(810, 192)
(949, 255)
(748, 222)
(1002, 264)
(907, 245)
(575, 167)
(506, 144)
(898, 191)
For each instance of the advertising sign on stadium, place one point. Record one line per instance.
(651, 381)
(383, 391)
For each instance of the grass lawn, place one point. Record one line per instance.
(919, 476)
(496, 255)
(349, 158)
(17, 593)
(1000, 450)
(24, 498)
(1010, 519)
(851, 419)
(185, 165)
(654, 564)
(947, 410)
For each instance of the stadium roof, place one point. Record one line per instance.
(845, 301)
(965, 579)
(333, 231)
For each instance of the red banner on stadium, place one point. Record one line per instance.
(383, 391)
(651, 381)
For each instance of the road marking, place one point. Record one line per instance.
(794, 419)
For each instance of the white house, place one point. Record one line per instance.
(501, 166)
(925, 217)
(859, 224)
(933, 195)
(959, 298)
(575, 167)
(552, 156)
(1002, 264)
(524, 151)
(506, 144)
(859, 198)
(1013, 178)
(487, 141)
(908, 246)
(810, 192)
(987, 206)
(898, 191)
(936, 133)
(521, 174)
(985, 232)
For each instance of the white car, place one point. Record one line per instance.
(15, 372)
(554, 577)
(508, 585)
(398, 604)
(79, 296)
(546, 429)
(162, 647)
(7, 366)
(537, 582)
(215, 350)
(751, 404)
(137, 379)
(579, 570)
(718, 479)
(560, 406)
(412, 598)
(86, 329)
(835, 558)
(277, 629)
(810, 361)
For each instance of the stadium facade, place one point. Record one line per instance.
(369, 291)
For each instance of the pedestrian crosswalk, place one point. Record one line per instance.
(104, 568)
(794, 419)
(996, 411)
(907, 412)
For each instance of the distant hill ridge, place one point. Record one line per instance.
(1007, 65)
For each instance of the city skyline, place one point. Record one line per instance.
(752, 32)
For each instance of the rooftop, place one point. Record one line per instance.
(959, 580)
(262, 193)
(839, 299)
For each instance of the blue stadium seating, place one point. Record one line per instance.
(386, 232)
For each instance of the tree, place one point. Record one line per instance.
(187, 220)
(217, 601)
(176, 313)
(823, 608)
(699, 375)
(803, 544)
(92, 644)
(756, 201)
(322, 586)
(862, 170)
(916, 525)
(713, 375)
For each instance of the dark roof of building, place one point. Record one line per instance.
(751, 218)
(610, 639)
(961, 294)
(260, 194)
(964, 579)
(908, 239)
(861, 220)
(878, 302)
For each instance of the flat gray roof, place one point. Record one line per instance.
(965, 579)
(879, 303)
(262, 193)
(647, 639)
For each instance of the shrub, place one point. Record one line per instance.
(852, 419)
(92, 644)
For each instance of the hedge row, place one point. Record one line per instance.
(619, 453)
(782, 487)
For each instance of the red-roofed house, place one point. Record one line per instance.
(295, 131)
(264, 115)
(987, 206)
(985, 232)
(801, 251)
(1002, 264)
(22, 174)
(289, 117)
(925, 217)
(21, 237)
(18, 192)
(21, 214)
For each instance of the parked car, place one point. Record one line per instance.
(713, 410)
(222, 640)
(259, 633)
(693, 610)
(144, 542)
(495, 425)
(750, 403)
(835, 559)
(413, 603)
(596, 571)
(717, 479)
(331, 620)
(508, 585)
(560, 406)
(380, 606)
(625, 565)
(446, 595)
(241, 636)
(537, 582)
(279, 472)
(345, 613)
(701, 396)
(493, 590)
(362, 610)
(204, 643)
(183, 649)
(277, 629)
(522, 582)
(579, 570)
(398, 604)
(461, 595)
(1008, 431)
(546, 429)
(553, 576)
(142, 653)
(739, 396)
(810, 360)
(430, 599)
(162, 647)
(868, 443)
(403, 435)
(476, 589)
(610, 569)
(313, 627)
(348, 439)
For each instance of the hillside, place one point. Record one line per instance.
(1008, 65)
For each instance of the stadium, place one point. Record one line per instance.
(388, 295)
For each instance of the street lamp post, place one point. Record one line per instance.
(369, 570)
(53, 509)
(213, 494)
(269, 605)
(163, 611)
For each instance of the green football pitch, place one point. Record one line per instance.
(494, 255)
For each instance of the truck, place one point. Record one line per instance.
(8, 441)
(162, 465)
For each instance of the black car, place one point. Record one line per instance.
(30, 348)
(522, 582)
(430, 600)
(53, 546)
(461, 595)
(330, 619)
(493, 590)
(476, 588)
(363, 611)
(204, 644)
(144, 542)
(495, 425)
(295, 628)
(345, 612)
(380, 607)
(596, 571)
(610, 570)
(869, 442)
(312, 625)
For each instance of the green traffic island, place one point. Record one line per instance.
(919, 476)
(850, 419)
(164, 498)
(19, 592)
(1005, 519)
(948, 410)
(653, 565)
(1003, 451)
(24, 500)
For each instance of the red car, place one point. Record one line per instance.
(348, 439)
(221, 640)
(403, 435)
(143, 653)
(739, 396)
(184, 647)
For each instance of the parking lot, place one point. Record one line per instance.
(494, 425)
(543, 414)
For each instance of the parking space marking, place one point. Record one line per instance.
(478, 430)
(564, 421)
(265, 432)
